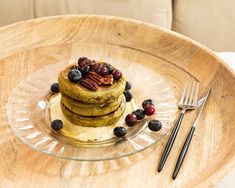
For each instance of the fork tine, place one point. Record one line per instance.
(183, 94)
(196, 95)
(187, 96)
(192, 93)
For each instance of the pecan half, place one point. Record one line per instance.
(89, 84)
(95, 67)
(95, 77)
(108, 80)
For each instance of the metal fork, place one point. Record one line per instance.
(188, 101)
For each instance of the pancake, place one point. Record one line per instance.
(104, 95)
(94, 121)
(90, 109)
(82, 133)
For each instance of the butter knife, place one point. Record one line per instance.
(187, 142)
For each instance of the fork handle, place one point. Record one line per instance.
(170, 141)
(183, 152)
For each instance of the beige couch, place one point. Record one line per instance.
(207, 21)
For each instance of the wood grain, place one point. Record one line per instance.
(30, 45)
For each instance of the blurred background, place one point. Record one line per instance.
(206, 21)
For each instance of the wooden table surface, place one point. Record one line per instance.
(29, 45)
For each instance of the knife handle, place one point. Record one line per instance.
(170, 142)
(183, 152)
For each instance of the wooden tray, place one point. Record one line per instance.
(27, 46)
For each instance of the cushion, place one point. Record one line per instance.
(154, 11)
(209, 22)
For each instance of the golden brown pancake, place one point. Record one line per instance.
(94, 121)
(90, 109)
(104, 95)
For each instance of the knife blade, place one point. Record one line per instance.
(201, 104)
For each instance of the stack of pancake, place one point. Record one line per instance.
(85, 107)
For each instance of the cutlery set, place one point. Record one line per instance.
(188, 101)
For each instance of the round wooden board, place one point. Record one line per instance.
(28, 46)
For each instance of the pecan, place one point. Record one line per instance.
(89, 84)
(87, 62)
(95, 77)
(95, 67)
(108, 80)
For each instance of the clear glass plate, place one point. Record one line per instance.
(27, 113)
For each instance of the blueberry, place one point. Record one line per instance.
(109, 67)
(146, 102)
(139, 114)
(103, 71)
(55, 88)
(119, 131)
(128, 86)
(155, 125)
(117, 74)
(128, 96)
(57, 124)
(74, 75)
(85, 69)
(149, 110)
(131, 119)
